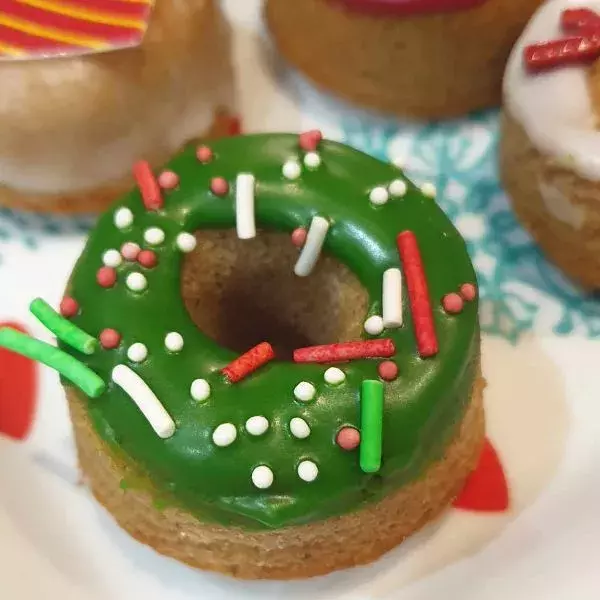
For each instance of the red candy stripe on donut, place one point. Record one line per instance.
(248, 362)
(406, 8)
(345, 351)
(149, 188)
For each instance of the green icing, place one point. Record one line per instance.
(422, 408)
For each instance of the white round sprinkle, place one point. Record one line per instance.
(307, 470)
(262, 477)
(154, 236)
(305, 391)
(224, 434)
(299, 428)
(397, 188)
(123, 218)
(112, 258)
(399, 162)
(136, 282)
(186, 242)
(429, 190)
(378, 196)
(312, 160)
(334, 376)
(374, 325)
(257, 425)
(174, 342)
(137, 352)
(291, 169)
(200, 390)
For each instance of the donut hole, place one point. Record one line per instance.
(243, 292)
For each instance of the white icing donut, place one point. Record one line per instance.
(554, 106)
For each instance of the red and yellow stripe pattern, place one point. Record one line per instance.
(45, 28)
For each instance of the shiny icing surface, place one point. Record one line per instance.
(554, 107)
(214, 463)
(408, 7)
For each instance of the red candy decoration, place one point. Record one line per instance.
(387, 370)
(147, 258)
(106, 277)
(130, 251)
(579, 20)
(452, 303)
(218, 186)
(249, 362)
(168, 180)
(68, 307)
(326, 353)
(468, 291)
(348, 438)
(109, 338)
(149, 188)
(309, 140)
(204, 154)
(299, 237)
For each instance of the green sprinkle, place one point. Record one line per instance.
(64, 330)
(69, 367)
(371, 422)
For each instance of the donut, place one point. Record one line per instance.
(550, 145)
(424, 59)
(73, 125)
(264, 407)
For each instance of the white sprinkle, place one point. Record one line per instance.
(200, 390)
(145, 399)
(305, 391)
(311, 250)
(312, 160)
(291, 169)
(257, 425)
(224, 434)
(397, 188)
(112, 258)
(399, 162)
(262, 477)
(374, 325)
(308, 471)
(137, 352)
(334, 376)
(429, 190)
(123, 218)
(154, 236)
(244, 206)
(186, 242)
(136, 282)
(174, 342)
(299, 428)
(392, 298)
(379, 196)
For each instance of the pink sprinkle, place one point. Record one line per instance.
(452, 303)
(168, 180)
(348, 438)
(468, 291)
(218, 186)
(68, 307)
(309, 140)
(106, 277)
(147, 258)
(204, 154)
(388, 370)
(109, 338)
(299, 237)
(130, 251)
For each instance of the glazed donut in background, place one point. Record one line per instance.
(264, 380)
(427, 59)
(73, 126)
(550, 144)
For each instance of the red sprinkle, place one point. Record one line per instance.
(388, 370)
(204, 154)
(109, 338)
(106, 277)
(566, 51)
(249, 362)
(130, 251)
(218, 186)
(468, 291)
(149, 188)
(452, 303)
(68, 307)
(147, 258)
(418, 293)
(578, 20)
(309, 140)
(348, 438)
(168, 180)
(382, 348)
(299, 237)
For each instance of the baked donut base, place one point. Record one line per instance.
(290, 553)
(574, 249)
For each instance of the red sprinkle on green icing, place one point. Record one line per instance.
(130, 251)
(299, 237)
(109, 339)
(468, 291)
(309, 140)
(147, 258)
(348, 438)
(452, 303)
(219, 186)
(204, 154)
(387, 370)
(168, 180)
(345, 351)
(68, 307)
(149, 188)
(249, 362)
(106, 277)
